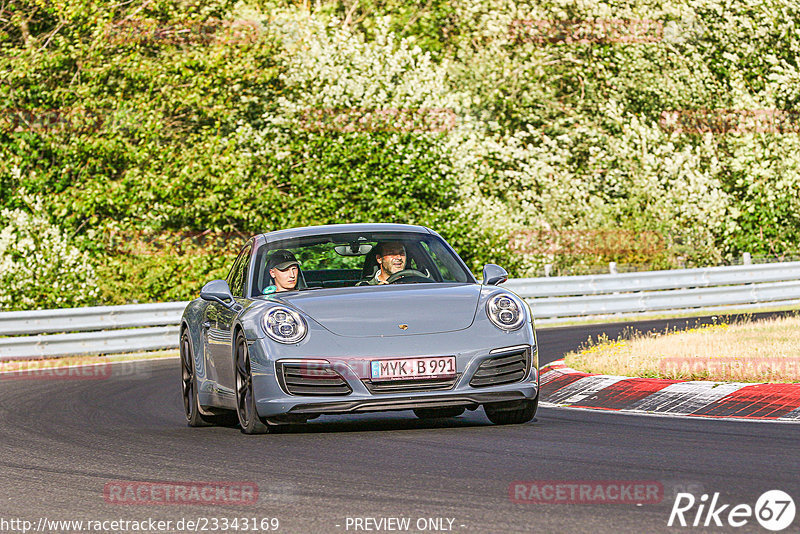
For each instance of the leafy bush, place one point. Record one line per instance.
(165, 119)
(40, 266)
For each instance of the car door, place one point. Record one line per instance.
(220, 321)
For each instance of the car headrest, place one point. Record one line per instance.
(370, 266)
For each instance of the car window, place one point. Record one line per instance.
(234, 267)
(236, 278)
(443, 259)
(324, 256)
(344, 260)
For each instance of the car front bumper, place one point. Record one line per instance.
(398, 402)
(273, 399)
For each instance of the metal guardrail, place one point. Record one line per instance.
(102, 342)
(139, 327)
(556, 286)
(748, 286)
(679, 299)
(89, 330)
(90, 318)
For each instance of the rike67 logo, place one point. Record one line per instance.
(774, 510)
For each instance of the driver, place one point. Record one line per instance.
(391, 256)
(284, 269)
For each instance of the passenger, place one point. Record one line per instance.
(284, 269)
(391, 257)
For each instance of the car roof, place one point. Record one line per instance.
(342, 229)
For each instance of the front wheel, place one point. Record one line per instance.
(511, 413)
(245, 399)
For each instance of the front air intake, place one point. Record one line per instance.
(312, 378)
(503, 368)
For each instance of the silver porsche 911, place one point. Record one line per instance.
(355, 318)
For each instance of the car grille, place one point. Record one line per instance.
(504, 368)
(400, 386)
(311, 379)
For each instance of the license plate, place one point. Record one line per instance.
(411, 368)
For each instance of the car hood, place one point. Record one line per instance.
(383, 310)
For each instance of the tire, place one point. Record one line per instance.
(191, 406)
(245, 399)
(511, 413)
(436, 413)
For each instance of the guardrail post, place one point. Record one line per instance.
(612, 267)
(746, 259)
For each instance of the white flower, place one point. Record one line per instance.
(39, 266)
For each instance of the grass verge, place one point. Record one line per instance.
(745, 351)
(720, 311)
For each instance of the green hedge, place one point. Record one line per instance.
(138, 123)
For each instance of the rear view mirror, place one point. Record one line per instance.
(494, 275)
(352, 249)
(218, 291)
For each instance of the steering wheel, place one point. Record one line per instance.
(407, 273)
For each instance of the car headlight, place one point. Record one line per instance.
(284, 325)
(505, 312)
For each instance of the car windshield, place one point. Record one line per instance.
(346, 260)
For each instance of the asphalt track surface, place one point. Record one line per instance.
(64, 440)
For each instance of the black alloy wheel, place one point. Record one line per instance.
(189, 385)
(245, 399)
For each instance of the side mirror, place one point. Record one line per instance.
(494, 275)
(218, 291)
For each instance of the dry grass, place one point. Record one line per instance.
(757, 351)
(721, 311)
(70, 361)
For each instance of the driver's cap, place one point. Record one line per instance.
(281, 260)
